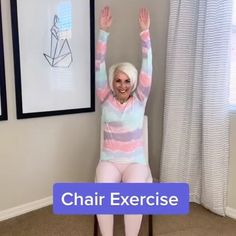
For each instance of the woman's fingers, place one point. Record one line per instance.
(144, 18)
(105, 18)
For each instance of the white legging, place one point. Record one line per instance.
(111, 172)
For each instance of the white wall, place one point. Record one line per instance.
(232, 165)
(35, 153)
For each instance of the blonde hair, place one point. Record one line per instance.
(126, 68)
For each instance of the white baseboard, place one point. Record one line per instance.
(22, 209)
(230, 212)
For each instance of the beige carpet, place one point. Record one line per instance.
(199, 222)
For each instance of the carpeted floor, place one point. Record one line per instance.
(199, 222)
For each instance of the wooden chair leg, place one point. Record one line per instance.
(150, 226)
(95, 226)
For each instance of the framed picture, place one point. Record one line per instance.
(53, 43)
(3, 100)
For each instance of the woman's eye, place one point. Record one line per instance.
(127, 81)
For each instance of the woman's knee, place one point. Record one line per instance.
(137, 173)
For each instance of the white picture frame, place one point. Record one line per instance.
(53, 42)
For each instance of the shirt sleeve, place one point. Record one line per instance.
(145, 76)
(102, 88)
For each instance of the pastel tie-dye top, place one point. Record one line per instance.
(123, 123)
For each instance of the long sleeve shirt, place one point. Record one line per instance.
(123, 123)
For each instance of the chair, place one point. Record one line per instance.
(145, 137)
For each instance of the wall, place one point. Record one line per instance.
(35, 153)
(232, 166)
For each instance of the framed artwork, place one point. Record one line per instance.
(53, 43)
(3, 100)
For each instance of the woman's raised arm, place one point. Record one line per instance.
(145, 76)
(102, 88)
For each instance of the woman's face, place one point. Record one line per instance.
(122, 86)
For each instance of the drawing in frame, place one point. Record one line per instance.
(3, 99)
(53, 43)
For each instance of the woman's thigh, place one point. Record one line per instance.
(106, 172)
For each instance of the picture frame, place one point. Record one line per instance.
(3, 99)
(53, 44)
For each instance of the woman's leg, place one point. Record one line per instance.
(106, 172)
(135, 173)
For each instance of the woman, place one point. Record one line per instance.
(123, 100)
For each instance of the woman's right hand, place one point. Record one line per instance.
(105, 18)
(144, 19)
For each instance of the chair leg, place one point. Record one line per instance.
(95, 226)
(150, 226)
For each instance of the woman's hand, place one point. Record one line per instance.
(105, 18)
(144, 19)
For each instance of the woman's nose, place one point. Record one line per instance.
(123, 85)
